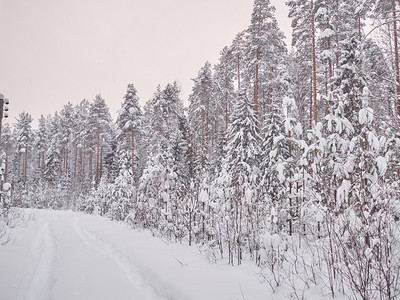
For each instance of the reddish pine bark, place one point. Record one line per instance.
(98, 156)
(396, 57)
(256, 91)
(314, 71)
(133, 152)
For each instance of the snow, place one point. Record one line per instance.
(366, 115)
(343, 193)
(382, 165)
(373, 141)
(280, 168)
(69, 255)
(248, 195)
(203, 197)
(7, 186)
(327, 33)
(321, 12)
(288, 102)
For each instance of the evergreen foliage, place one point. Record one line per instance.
(277, 155)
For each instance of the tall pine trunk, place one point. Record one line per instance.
(256, 90)
(98, 156)
(101, 163)
(396, 58)
(25, 165)
(314, 62)
(6, 169)
(330, 68)
(238, 74)
(133, 152)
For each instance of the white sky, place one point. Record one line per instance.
(55, 51)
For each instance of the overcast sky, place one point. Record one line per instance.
(55, 51)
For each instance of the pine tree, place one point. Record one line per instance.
(200, 104)
(24, 138)
(66, 130)
(81, 115)
(97, 134)
(224, 84)
(265, 54)
(302, 77)
(41, 144)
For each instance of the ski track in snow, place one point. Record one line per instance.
(123, 262)
(42, 279)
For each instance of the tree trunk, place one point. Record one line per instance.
(330, 71)
(396, 58)
(311, 102)
(226, 108)
(314, 62)
(40, 163)
(66, 161)
(83, 161)
(43, 164)
(98, 155)
(133, 152)
(90, 166)
(256, 91)
(25, 165)
(238, 74)
(6, 169)
(101, 163)
(75, 160)
(202, 127)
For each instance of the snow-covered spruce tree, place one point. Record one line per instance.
(52, 171)
(290, 171)
(150, 201)
(241, 165)
(89, 203)
(275, 151)
(129, 122)
(122, 192)
(112, 160)
(165, 176)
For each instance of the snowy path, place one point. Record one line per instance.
(67, 255)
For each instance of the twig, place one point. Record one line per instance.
(182, 264)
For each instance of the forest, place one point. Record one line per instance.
(286, 155)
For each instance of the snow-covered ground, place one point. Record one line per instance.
(70, 255)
